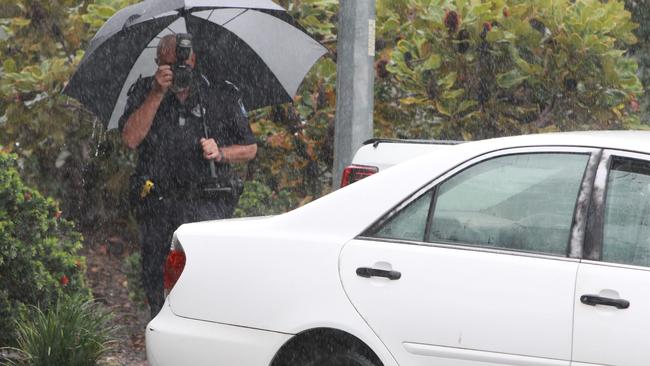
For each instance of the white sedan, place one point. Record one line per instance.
(530, 251)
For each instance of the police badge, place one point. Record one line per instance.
(198, 111)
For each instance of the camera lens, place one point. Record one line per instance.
(182, 71)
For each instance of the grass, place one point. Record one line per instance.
(75, 332)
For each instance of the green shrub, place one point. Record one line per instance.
(481, 69)
(38, 261)
(75, 332)
(259, 200)
(133, 269)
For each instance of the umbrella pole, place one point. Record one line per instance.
(213, 169)
(217, 187)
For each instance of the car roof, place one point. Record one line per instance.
(638, 141)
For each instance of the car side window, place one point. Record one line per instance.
(626, 234)
(520, 202)
(410, 223)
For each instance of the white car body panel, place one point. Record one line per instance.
(605, 335)
(383, 155)
(279, 300)
(478, 307)
(280, 274)
(173, 340)
(464, 357)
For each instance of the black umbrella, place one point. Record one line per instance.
(254, 44)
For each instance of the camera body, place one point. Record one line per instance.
(182, 71)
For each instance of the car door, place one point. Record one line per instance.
(612, 317)
(478, 268)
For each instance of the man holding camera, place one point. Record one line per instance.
(187, 130)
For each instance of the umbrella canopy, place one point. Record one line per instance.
(254, 44)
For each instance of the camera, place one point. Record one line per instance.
(182, 71)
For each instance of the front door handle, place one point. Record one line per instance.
(594, 300)
(373, 272)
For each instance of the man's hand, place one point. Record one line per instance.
(139, 123)
(210, 149)
(163, 79)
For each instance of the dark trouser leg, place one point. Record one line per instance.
(155, 239)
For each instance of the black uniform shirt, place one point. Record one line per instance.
(171, 154)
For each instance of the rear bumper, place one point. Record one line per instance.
(173, 340)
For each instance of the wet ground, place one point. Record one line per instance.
(107, 278)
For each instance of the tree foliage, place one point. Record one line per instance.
(640, 10)
(500, 67)
(57, 142)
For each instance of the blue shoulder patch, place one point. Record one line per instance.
(237, 93)
(243, 109)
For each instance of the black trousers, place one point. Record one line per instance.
(158, 218)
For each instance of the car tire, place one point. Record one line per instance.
(345, 358)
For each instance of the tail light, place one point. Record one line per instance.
(174, 264)
(354, 173)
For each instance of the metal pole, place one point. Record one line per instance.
(355, 81)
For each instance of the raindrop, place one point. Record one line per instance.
(61, 159)
(94, 128)
(101, 137)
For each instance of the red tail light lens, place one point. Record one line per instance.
(354, 173)
(174, 265)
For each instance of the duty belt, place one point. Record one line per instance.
(208, 189)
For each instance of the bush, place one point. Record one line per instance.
(75, 332)
(494, 67)
(133, 269)
(259, 200)
(38, 261)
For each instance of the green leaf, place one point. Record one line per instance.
(404, 46)
(105, 11)
(21, 22)
(482, 9)
(509, 79)
(465, 105)
(326, 67)
(453, 94)
(448, 81)
(432, 63)
(389, 26)
(442, 109)
(411, 100)
(523, 65)
(311, 21)
(494, 35)
(9, 65)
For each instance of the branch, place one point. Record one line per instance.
(59, 36)
(544, 118)
(43, 20)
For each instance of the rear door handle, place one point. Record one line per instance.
(594, 300)
(373, 272)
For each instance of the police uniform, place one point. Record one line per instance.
(167, 183)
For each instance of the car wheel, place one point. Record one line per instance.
(346, 358)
